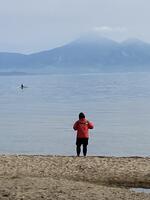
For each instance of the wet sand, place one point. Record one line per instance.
(73, 178)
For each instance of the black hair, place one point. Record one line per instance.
(81, 115)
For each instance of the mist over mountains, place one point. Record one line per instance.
(90, 53)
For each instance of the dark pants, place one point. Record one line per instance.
(79, 142)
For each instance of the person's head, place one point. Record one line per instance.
(81, 115)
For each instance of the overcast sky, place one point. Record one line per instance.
(34, 25)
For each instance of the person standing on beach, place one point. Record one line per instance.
(82, 126)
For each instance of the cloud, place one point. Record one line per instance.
(107, 29)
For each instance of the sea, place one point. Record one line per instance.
(39, 118)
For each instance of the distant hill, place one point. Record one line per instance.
(90, 53)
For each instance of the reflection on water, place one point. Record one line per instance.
(141, 190)
(39, 118)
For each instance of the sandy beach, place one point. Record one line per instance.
(63, 177)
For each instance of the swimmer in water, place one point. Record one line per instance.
(22, 86)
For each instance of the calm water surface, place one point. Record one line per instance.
(39, 119)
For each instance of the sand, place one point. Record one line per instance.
(73, 178)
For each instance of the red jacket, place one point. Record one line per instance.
(82, 126)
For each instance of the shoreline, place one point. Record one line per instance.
(71, 177)
(70, 156)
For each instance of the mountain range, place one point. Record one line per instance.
(89, 53)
